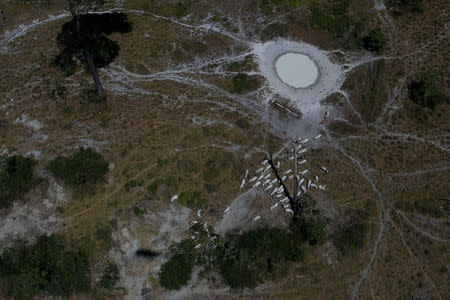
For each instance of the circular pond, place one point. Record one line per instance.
(296, 70)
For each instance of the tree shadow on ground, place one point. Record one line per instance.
(94, 28)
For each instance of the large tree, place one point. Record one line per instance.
(84, 37)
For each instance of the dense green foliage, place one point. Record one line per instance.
(426, 92)
(50, 265)
(110, 276)
(375, 40)
(83, 167)
(331, 16)
(408, 5)
(243, 83)
(351, 238)
(177, 270)
(264, 253)
(309, 229)
(16, 178)
(243, 124)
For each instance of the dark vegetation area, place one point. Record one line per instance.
(52, 265)
(16, 178)
(83, 168)
(375, 40)
(177, 270)
(426, 94)
(110, 276)
(332, 17)
(244, 83)
(402, 6)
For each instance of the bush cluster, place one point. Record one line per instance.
(375, 40)
(83, 167)
(177, 270)
(16, 178)
(243, 83)
(332, 17)
(51, 265)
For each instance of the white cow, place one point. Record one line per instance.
(268, 187)
(246, 173)
(291, 176)
(288, 171)
(227, 209)
(317, 137)
(289, 211)
(253, 179)
(257, 184)
(274, 206)
(309, 183)
(324, 169)
(256, 218)
(199, 213)
(259, 170)
(174, 198)
(303, 188)
(283, 178)
(304, 172)
(304, 141)
(302, 162)
(242, 183)
(316, 178)
(301, 151)
(301, 181)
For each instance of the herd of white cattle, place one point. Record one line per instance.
(265, 179)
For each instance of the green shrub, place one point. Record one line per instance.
(178, 269)
(84, 167)
(247, 259)
(310, 229)
(332, 17)
(409, 5)
(139, 212)
(426, 92)
(16, 178)
(375, 40)
(243, 83)
(50, 265)
(243, 124)
(110, 276)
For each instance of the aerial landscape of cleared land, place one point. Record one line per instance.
(240, 149)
